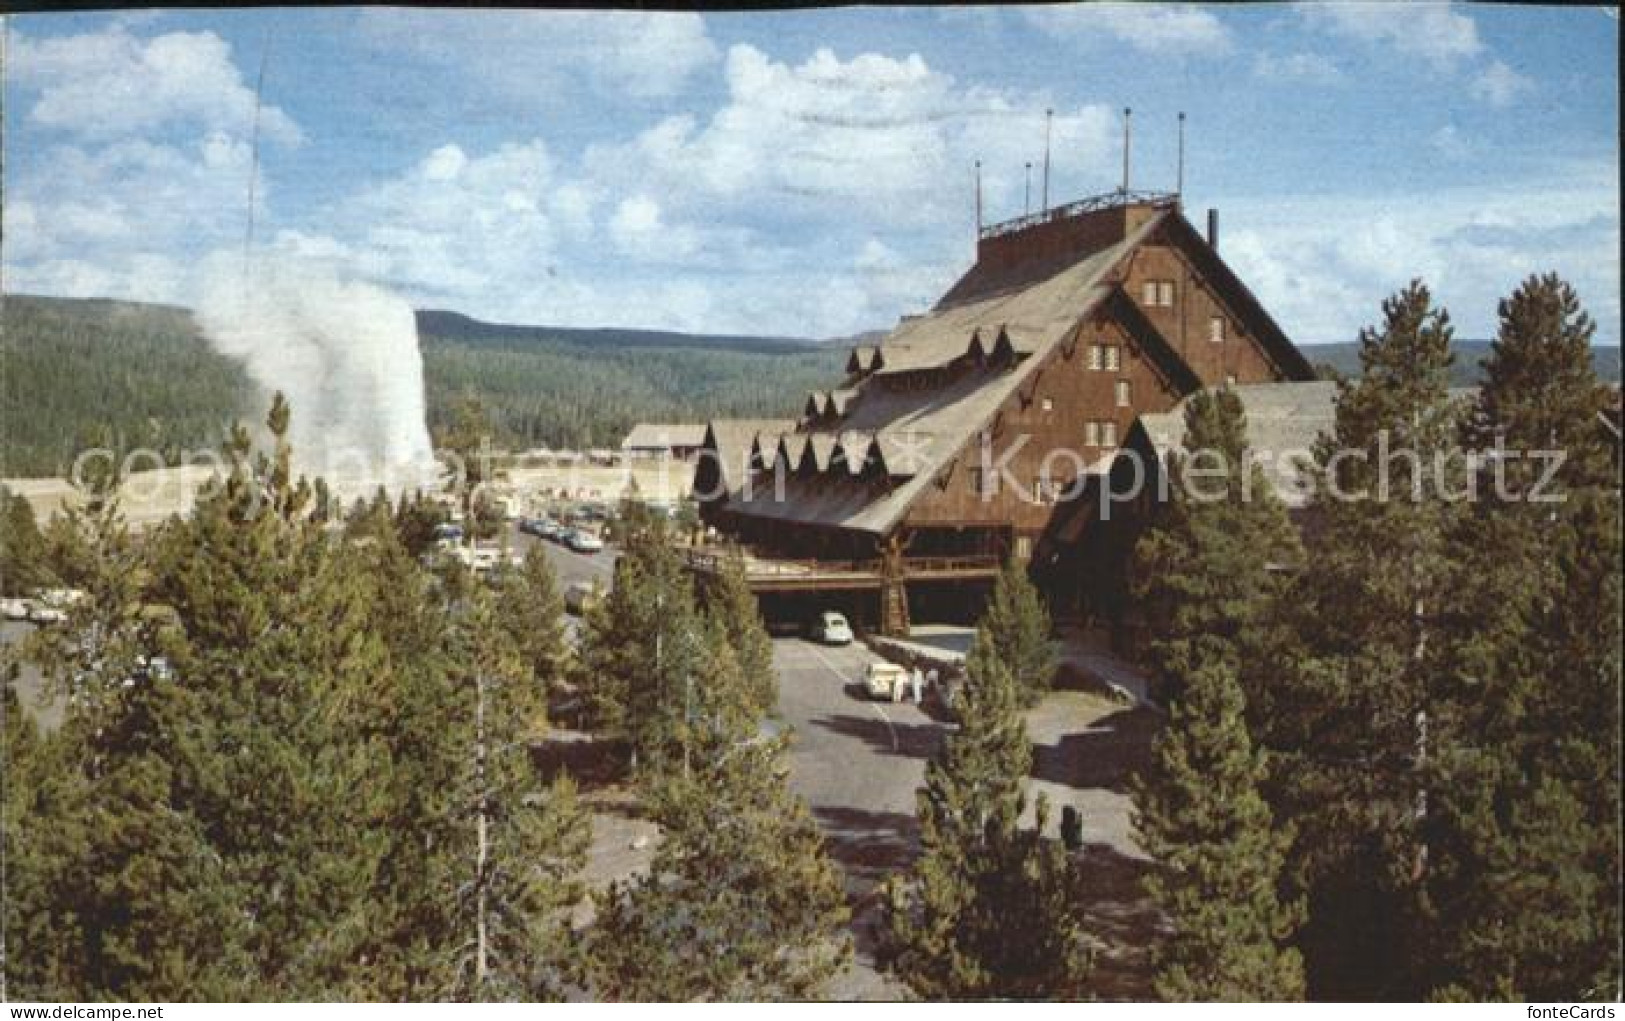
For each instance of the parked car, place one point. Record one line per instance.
(831, 628)
(448, 531)
(550, 529)
(886, 681)
(583, 541)
(51, 605)
(531, 526)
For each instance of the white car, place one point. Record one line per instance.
(886, 681)
(583, 541)
(831, 628)
(14, 609)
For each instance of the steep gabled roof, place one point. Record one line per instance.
(1259, 322)
(1030, 319)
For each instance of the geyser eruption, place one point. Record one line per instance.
(346, 355)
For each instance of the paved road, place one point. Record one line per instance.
(858, 764)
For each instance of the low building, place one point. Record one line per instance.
(962, 438)
(656, 440)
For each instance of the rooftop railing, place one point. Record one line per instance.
(1092, 204)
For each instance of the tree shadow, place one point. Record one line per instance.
(1106, 755)
(1120, 920)
(868, 845)
(905, 740)
(591, 761)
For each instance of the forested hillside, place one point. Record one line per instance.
(580, 388)
(72, 367)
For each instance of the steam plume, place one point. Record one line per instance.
(346, 355)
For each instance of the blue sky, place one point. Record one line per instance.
(808, 173)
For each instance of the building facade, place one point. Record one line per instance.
(978, 431)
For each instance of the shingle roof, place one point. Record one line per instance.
(732, 440)
(662, 435)
(917, 431)
(1283, 422)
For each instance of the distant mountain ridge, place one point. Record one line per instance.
(455, 326)
(1470, 354)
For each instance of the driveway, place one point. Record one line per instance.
(858, 764)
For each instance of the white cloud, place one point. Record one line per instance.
(1160, 29)
(112, 84)
(889, 141)
(532, 55)
(1499, 84)
(1307, 68)
(119, 220)
(1429, 30)
(1322, 265)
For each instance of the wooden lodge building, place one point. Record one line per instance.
(982, 429)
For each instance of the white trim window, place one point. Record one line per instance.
(1165, 293)
(1125, 393)
(1148, 293)
(1114, 358)
(1215, 329)
(1097, 357)
(1091, 433)
(1108, 434)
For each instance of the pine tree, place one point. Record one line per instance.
(989, 909)
(1199, 814)
(1351, 697)
(531, 611)
(1018, 625)
(22, 548)
(1211, 561)
(731, 606)
(1524, 888)
(523, 842)
(644, 664)
(272, 652)
(742, 900)
(1206, 579)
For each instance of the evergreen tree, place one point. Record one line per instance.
(531, 611)
(1524, 887)
(22, 548)
(1351, 697)
(1541, 390)
(741, 901)
(989, 909)
(644, 666)
(1200, 816)
(1209, 564)
(1204, 575)
(523, 843)
(1018, 625)
(732, 607)
(272, 653)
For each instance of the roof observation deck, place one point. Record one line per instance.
(1093, 204)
